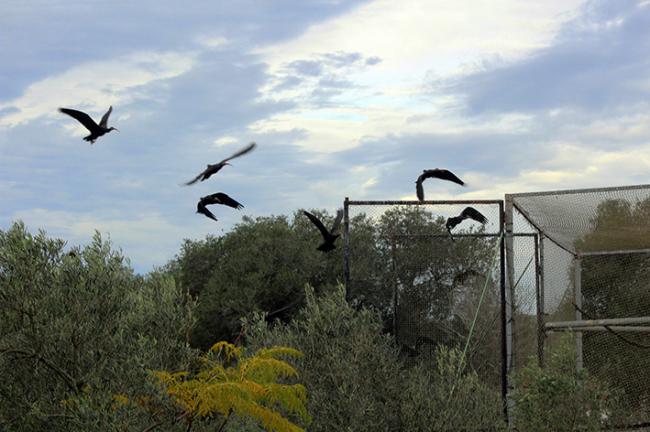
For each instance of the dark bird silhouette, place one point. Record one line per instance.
(96, 130)
(329, 236)
(213, 169)
(467, 213)
(438, 173)
(216, 198)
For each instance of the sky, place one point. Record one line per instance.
(344, 98)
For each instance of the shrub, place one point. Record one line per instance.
(356, 380)
(444, 399)
(559, 397)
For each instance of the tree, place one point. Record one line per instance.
(618, 286)
(79, 328)
(260, 265)
(437, 283)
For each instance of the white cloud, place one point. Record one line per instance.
(342, 128)
(93, 86)
(415, 40)
(225, 141)
(421, 35)
(212, 42)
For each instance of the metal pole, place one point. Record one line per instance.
(346, 247)
(510, 294)
(540, 326)
(577, 287)
(395, 289)
(541, 307)
(504, 315)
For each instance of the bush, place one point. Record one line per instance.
(560, 398)
(443, 399)
(356, 380)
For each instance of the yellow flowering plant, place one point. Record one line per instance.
(249, 386)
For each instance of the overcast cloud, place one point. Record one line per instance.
(345, 98)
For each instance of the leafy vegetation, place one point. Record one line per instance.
(79, 328)
(618, 287)
(356, 379)
(261, 265)
(559, 397)
(85, 344)
(229, 383)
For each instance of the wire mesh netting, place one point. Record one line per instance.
(427, 285)
(618, 286)
(591, 220)
(594, 264)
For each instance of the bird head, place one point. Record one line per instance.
(452, 222)
(112, 129)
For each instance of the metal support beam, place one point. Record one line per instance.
(507, 306)
(346, 247)
(539, 297)
(597, 322)
(618, 329)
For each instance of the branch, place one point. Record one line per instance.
(223, 425)
(72, 384)
(153, 426)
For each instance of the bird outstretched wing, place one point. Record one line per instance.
(472, 213)
(222, 198)
(318, 224)
(194, 180)
(241, 152)
(82, 118)
(104, 121)
(442, 174)
(337, 222)
(419, 190)
(204, 210)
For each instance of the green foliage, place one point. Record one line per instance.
(355, 377)
(261, 265)
(439, 283)
(618, 287)
(560, 398)
(348, 365)
(446, 399)
(78, 329)
(229, 382)
(618, 224)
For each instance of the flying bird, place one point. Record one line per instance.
(438, 173)
(329, 236)
(216, 198)
(467, 213)
(96, 130)
(213, 169)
